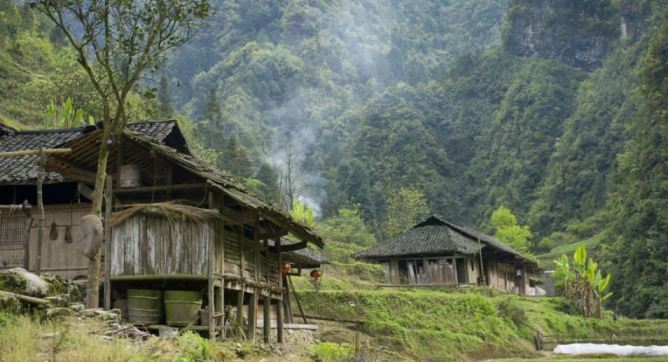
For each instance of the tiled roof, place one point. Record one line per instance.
(423, 240)
(21, 170)
(434, 236)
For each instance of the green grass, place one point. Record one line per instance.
(472, 323)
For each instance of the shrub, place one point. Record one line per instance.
(511, 309)
(194, 348)
(327, 351)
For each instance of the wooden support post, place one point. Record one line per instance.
(40, 224)
(210, 267)
(26, 242)
(266, 317)
(107, 241)
(220, 308)
(279, 303)
(256, 251)
(299, 304)
(252, 314)
(221, 259)
(240, 312)
(287, 307)
(279, 321)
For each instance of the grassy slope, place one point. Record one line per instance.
(470, 323)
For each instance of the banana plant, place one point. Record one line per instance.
(302, 214)
(563, 274)
(65, 115)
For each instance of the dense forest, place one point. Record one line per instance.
(380, 112)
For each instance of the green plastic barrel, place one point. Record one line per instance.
(182, 307)
(144, 306)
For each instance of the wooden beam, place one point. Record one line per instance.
(238, 217)
(160, 188)
(289, 247)
(73, 169)
(43, 151)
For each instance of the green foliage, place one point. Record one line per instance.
(581, 281)
(65, 115)
(302, 214)
(348, 227)
(194, 348)
(507, 230)
(326, 351)
(639, 203)
(405, 208)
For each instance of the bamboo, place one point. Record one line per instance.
(45, 151)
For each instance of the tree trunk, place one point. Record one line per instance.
(93, 296)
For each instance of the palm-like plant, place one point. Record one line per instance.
(583, 281)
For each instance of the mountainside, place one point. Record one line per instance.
(554, 109)
(475, 104)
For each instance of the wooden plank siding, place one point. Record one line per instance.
(59, 256)
(151, 245)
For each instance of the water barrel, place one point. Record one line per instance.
(182, 307)
(144, 306)
(129, 176)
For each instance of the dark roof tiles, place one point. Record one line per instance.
(22, 170)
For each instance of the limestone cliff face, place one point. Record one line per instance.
(574, 32)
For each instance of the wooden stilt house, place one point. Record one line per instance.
(438, 252)
(176, 225)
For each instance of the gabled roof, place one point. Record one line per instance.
(423, 240)
(21, 170)
(435, 236)
(162, 138)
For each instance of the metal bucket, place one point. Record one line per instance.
(144, 306)
(182, 307)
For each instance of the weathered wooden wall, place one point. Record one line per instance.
(153, 245)
(240, 250)
(59, 256)
(501, 275)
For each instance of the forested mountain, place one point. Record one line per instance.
(552, 108)
(527, 104)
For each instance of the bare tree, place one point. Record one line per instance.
(116, 42)
(287, 181)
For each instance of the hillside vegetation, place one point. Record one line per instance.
(553, 109)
